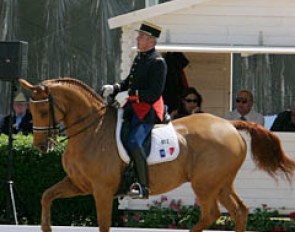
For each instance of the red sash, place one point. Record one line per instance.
(142, 108)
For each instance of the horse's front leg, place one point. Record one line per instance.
(104, 204)
(62, 189)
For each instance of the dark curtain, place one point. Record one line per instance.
(270, 78)
(65, 38)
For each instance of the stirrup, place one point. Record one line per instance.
(138, 191)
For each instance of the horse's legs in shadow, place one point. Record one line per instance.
(104, 197)
(209, 208)
(64, 188)
(235, 206)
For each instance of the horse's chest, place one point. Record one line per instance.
(73, 168)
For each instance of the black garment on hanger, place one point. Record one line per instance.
(175, 80)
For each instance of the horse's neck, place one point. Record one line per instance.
(100, 135)
(108, 122)
(78, 111)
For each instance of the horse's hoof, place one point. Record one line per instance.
(46, 228)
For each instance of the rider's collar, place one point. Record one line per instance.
(146, 53)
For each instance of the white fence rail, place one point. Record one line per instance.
(11, 228)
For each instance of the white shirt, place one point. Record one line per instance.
(252, 116)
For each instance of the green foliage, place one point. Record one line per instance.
(173, 216)
(34, 172)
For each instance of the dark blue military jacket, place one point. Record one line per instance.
(147, 76)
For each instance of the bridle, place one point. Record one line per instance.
(53, 128)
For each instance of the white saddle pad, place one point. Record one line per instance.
(164, 143)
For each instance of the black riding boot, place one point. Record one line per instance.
(140, 190)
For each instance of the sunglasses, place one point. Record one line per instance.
(191, 100)
(242, 100)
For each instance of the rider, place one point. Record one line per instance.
(140, 95)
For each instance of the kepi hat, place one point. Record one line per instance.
(150, 29)
(20, 97)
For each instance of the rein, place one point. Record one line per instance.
(52, 129)
(77, 122)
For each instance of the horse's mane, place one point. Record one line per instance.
(84, 89)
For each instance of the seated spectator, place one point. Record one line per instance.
(285, 121)
(190, 103)
(244, 111)
(22, 118)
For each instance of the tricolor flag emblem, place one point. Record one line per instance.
(171, 150)
(162, 153)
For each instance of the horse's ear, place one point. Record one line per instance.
(26, 84)
(35, 89)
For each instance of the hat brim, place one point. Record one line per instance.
(145, 32)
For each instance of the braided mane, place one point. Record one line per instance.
(84, 89)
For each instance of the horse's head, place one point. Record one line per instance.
(46, 113)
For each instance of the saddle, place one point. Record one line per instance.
(163, 143)
(162, 146)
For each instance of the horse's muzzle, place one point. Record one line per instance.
(45, 146)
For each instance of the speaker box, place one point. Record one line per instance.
(13, 60)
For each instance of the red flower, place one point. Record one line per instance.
(279, 229)
(292, 215)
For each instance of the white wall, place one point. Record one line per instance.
(231, 22)
(254, 186)
(219, 22)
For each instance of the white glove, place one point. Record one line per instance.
(107, 90)
(122, 98)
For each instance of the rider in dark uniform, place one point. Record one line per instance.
(140, 94)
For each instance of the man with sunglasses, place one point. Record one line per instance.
(244, 111)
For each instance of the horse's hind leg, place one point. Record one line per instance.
(209, 214)
(62, 189)
(235, 206)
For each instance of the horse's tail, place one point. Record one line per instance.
(267, 151)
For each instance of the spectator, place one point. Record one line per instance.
(244, 111)
(189, 103)
(285, 121)
(21, 119)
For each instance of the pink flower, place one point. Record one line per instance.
(278, 229)
(136, 218)
(175, 205)
(292, 215)
(164, 198)
(157, 203)
(125, 218)
(264, 206)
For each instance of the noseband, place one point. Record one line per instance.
(52, 129)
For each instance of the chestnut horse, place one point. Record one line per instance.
(211, 153)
